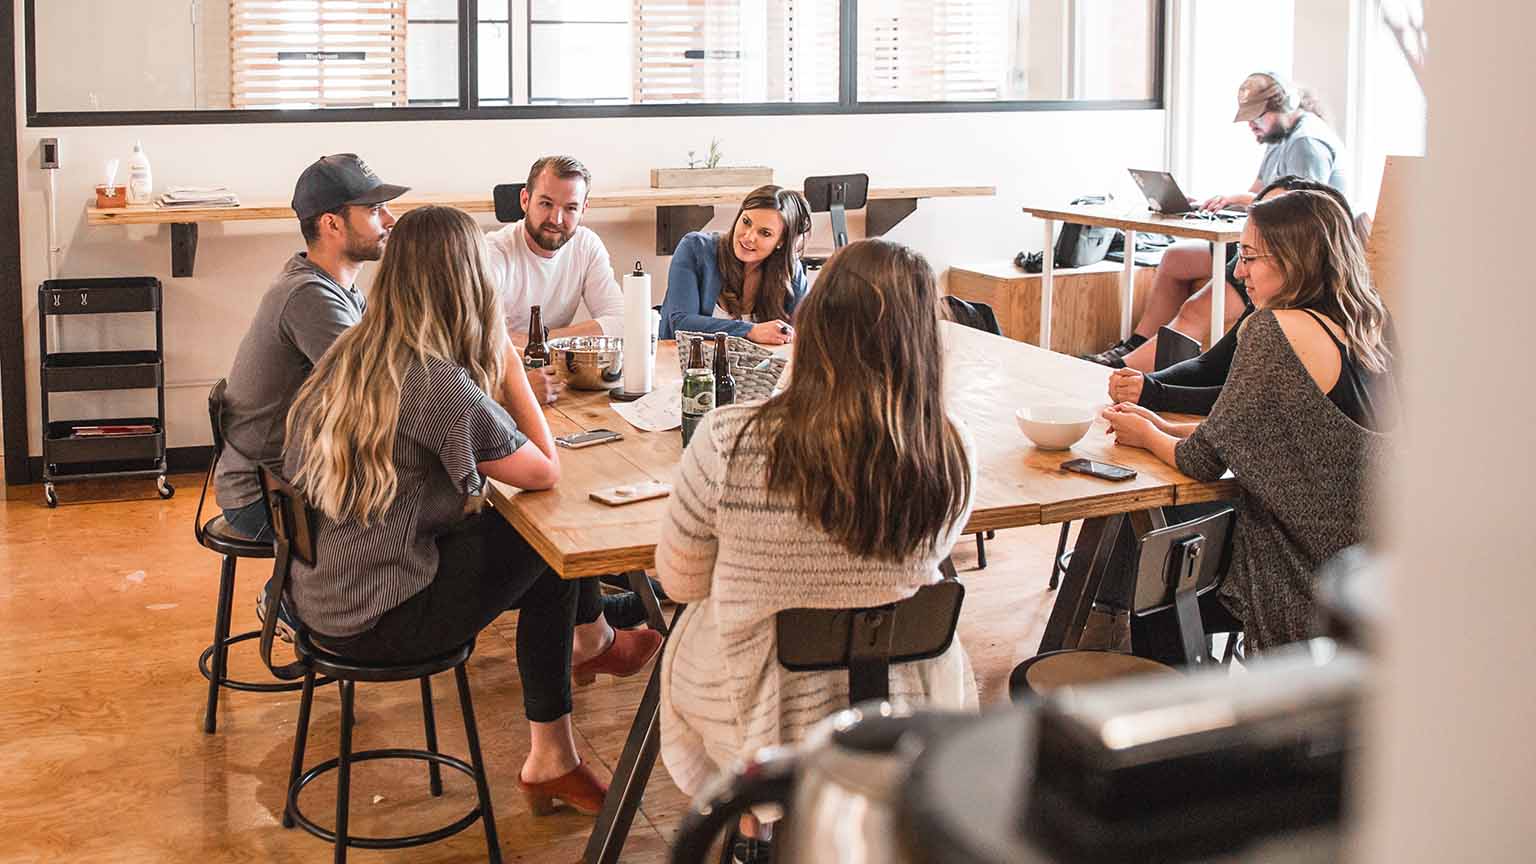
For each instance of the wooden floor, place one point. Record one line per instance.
(104, 608)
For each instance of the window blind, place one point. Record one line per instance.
(317, 53)
(735, 51)
(932, 50)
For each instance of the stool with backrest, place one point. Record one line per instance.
(1176, 566)
(216, 535)
(294, 529)
(866, 642)
(977, 316)
(1172, 347)
(835, 194)
(508, 199)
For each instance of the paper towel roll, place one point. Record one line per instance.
(639, 364)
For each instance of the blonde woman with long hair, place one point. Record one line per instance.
(848, 489)
(389, 438)
(1300, 422)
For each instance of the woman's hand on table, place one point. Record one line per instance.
(1125, 385)
(771, 333)
(1132, 425)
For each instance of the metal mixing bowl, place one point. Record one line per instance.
(588, 362)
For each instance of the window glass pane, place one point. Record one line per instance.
(432, 56)
(495, 63)
(578, 62)
(978, 50)
(735, 51)
(440, 10)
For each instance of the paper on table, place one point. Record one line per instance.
(657, 411)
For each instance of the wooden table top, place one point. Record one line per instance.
(715, 195)
(988, 378)
(1142, 219)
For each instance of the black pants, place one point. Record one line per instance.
(484, 568)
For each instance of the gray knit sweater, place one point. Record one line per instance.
(1306, 475)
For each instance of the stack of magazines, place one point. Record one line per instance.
(197, 196)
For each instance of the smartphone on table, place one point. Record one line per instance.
(578, 440)
(1102, 470)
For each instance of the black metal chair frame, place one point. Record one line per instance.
(508, 201)
(1176, 565)
(836, 194)
(293, 527)
(214, 661)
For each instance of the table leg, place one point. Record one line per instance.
(1080, 584)
(639, 756)
(1218, 291)
(1047, 272)
(1128, 284)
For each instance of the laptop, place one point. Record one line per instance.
(1165, 196)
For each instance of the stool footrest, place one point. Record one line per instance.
(404, 842)
(249, 686)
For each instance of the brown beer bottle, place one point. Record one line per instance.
(725, 382)
(536, 355)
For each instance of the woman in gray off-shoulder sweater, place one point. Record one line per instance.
(1301, 422)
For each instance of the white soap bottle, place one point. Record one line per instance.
(140, 183)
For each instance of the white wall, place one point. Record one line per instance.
(1453, 768)
(1029, 156)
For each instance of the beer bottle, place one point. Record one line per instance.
(698, 390)
(536, 355)
(725, 382)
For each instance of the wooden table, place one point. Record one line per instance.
(988, 377)
(678, 211)
(1216, 232)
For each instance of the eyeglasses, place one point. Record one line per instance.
(1247, 260)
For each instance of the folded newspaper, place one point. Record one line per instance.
(197, 196)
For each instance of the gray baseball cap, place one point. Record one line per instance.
(333, 182)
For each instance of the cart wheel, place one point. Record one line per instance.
(166, 489)
(50, 496)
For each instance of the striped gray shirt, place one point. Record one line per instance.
(446, 426)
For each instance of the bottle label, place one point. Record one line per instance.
(699, 403)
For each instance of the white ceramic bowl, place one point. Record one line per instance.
(1054, 427)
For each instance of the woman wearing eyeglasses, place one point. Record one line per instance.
(1301, 420)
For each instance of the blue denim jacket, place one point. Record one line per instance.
(693, 290)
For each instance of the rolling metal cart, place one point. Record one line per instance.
(91, 448)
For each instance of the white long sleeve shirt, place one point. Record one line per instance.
(580, 272)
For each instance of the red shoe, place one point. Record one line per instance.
(627, 654)
(579, 789)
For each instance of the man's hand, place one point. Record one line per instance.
(1125, 385)
(546, 384)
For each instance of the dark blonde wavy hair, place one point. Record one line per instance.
(1322, 263)
(433, 298)
(778, 268)
(859, 440)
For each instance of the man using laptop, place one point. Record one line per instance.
(1297, 142)
(548, 260)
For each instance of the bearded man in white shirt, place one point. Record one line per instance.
(548, 260)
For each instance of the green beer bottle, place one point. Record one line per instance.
(698, 390)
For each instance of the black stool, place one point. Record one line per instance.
(216, 535)
(294, 537)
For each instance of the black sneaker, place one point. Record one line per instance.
(621, 582)
(624, 611)
(1114, 355)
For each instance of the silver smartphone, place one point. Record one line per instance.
(588, 439)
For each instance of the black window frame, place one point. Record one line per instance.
(847, 104)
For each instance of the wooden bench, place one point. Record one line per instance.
(1085, 301)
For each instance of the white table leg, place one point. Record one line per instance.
(1128, 285)
(1047, 272)
(1218, 291)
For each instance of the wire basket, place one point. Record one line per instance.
(754, 367)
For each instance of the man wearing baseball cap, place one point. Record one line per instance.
(1297, 142)
(341, 205)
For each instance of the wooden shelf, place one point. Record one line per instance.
(678, 211)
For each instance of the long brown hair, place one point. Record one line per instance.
(780, 265)
(859, 440)
(1322, 263)
(433, 297)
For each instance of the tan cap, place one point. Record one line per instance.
(1260, 92)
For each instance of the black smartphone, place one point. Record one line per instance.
(1102, 470)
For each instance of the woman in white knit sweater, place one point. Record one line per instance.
(845, 490)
